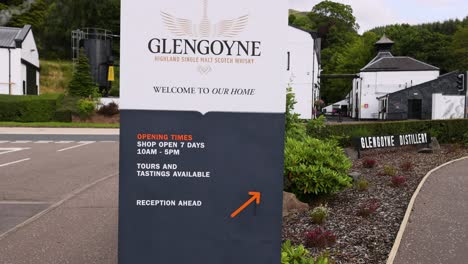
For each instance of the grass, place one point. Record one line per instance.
(58, 125)
(55, 76)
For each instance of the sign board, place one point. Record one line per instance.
(202, 131)
(374, 142)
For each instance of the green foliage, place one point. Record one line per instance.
(389, 170)
(319, 215)
(446, 131)
(294, 127)
(28, 108)
(299, 255)
(362, 185)
(315, 167)
(465, 139)
(459, 48)
(86, 108)
(82, 84)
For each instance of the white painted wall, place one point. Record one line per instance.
(378, 84)
(18, 71)
(448, 106)
(329, 109)
(3, 71)
(303, 71)
(29, 50)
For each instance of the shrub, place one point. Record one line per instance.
(82, 84)
(319, 238)
(114, 92)
(368, 208)
(369, 163)
(29, 108)
(294, 127)
(407, 166)
(319, 215)
(299, 255)
(316, 167)
(109, 110)
(86, 108)
(398, 181)
(389, 170)
(362, 185)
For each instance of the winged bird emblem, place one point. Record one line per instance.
(205, 28)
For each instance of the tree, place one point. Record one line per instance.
(330, 16)
(82, 83)
(459, 48)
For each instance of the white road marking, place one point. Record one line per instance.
(64, 142)
(14, 162)
(21, 142)
(4, 141)
(43, 141)
(77, 146)
(10, 150)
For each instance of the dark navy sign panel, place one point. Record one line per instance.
(172, 220)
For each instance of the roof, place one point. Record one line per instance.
(13, 37)
(447, 75)
(384, 40)
(390, 63)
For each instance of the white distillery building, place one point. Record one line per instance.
(19, 61)
(386, 74)
(303, 70)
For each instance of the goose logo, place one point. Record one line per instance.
(205, 42)
(205, 28)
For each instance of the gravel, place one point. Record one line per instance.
(370, 239)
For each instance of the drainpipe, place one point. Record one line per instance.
(9, 71)
(314, 113)
(360, 100)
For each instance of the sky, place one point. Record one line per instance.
(373, 13)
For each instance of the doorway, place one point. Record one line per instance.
(415, 109)
(31, 80)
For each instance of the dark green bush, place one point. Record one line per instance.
(446, 131)
(315, 167)
(82, 84)
(63, 116)
(29, 108)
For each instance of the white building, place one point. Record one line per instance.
(338, 107)
(303, 68)
(386, 74)
(19, 61)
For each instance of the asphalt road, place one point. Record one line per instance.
(438, 228)
(58, 199)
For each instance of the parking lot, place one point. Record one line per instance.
(58, 198)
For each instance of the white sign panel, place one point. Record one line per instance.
(203, 55)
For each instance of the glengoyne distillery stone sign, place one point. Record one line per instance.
(202, 131)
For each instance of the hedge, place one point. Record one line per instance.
(446, 131)
(41, 108)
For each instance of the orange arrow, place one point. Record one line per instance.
(255, 196)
